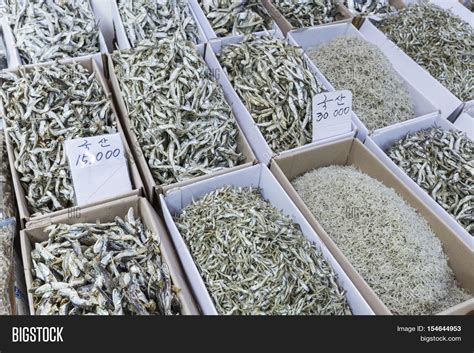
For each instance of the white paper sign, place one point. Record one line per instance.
(332, 114)
(99, 168)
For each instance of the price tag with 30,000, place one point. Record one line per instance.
(331, 114)
(98, 167)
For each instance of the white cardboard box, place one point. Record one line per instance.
(261, 148)
(314, 36)
(382, 141)
(255, 176)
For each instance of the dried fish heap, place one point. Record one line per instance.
(442, 163)
(43, 107)
(254, 260)
(439, 41)
(273, 79)
(387, 241)
(307, 13)
(369, 7)
(112, 268)
(7, 200)
(53, 29)
(176, 110)
(231, 17)
(157, 19)
(380, 97)
(7, 236)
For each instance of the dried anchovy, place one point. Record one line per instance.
(7, 200)
(177, 110)
(236, 17)
(45, 106)
(380, 97)
(254, 260)
(442, 163)
(7, 233)
(307, 13)
(387, 241)
(369, 7)
(157, 19)
(439, 41)
(112, 268)
(274, 81)
(47, 30)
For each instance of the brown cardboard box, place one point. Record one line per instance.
(106, 212)
(353, 152)
(153, 189)
(343, 15)
(25, 217)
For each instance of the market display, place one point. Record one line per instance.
(387, 241)
(177, 110)
(273, 268)
(380, 97)
(306, 13)
(439, 41)
(442, 163)
(274, 82)
(157, 19)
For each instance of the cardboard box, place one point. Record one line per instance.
(342, 15)
(255, 176)
(379, 143)
(25, 217)
(106, 213)
(152, 188)
(353, 152)
(259, 145)
(315, 36)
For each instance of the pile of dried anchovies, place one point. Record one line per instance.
(157, 19)
(254, 260)
(387, 241)
(53, 29)
(45, 106)
(7, 199)
(369, 7)
(307, 13)
(274, 81)
(112, 268)
(7, 236)
(439, 41)
(234, 17)
(379, 95)
(177, 111)
(442, 163)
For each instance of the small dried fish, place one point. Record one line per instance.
(307, 13)
(157, 19)
(231, 17)
(177, 111)
(44, 106)
(439, 41)
(273, 79)
(47, 30)
(380, 97)
(369, 7)
(112, 268)
(254, 260)
(7, 236)
(441, 162)
(386, 240)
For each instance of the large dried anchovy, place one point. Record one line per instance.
(7, 236)
(47, 30)
(439, 41)
(157, 19)
(307, 13)
(387, 241)
(177, 111)
(274, 81)
(45, 106)
(254, 260)
(380, 97)
(442, 163)
(236, 17)
(112, 268)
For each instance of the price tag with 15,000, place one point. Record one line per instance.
(99, 167)
(332, 114)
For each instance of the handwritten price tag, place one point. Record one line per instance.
(98, 167)
(331, 114)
